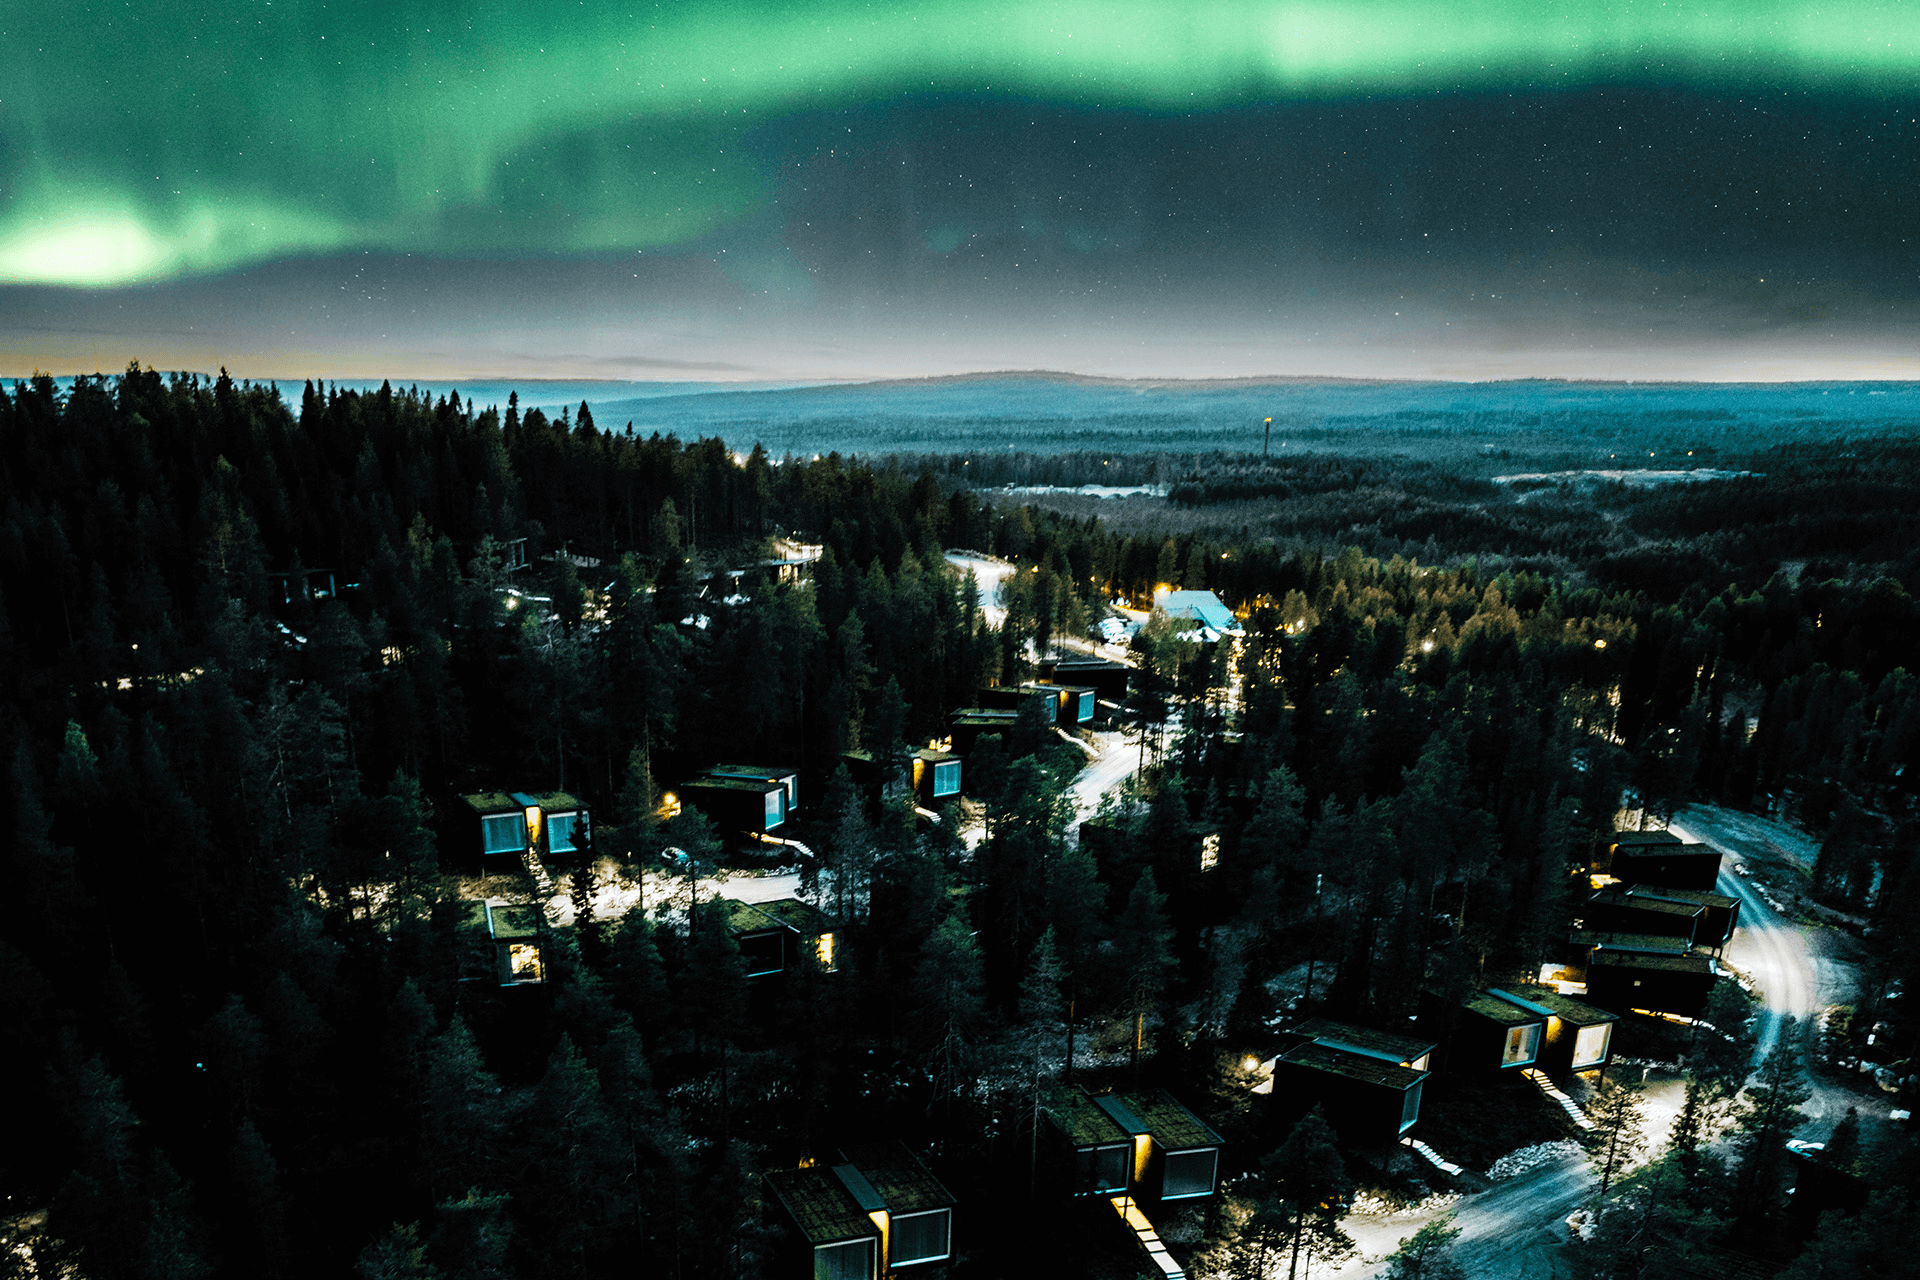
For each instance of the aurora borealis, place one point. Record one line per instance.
(835, 189)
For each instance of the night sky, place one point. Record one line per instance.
(1489, 188)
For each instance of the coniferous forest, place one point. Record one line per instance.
(252, 652)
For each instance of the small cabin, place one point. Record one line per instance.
(1586, 945)
(515, 823)
(1074, 704)
(1487, 1031)
(785, 777)
(738, 806)
(1107, 679)
(936, 778)
(1621, 911)
(1579, 1036)
(513, 947)
(1660, 857)
(1011, 697)
(1676, 985)
(1720, 914)
(877, 1211)
(1367, 1083)
(1202, 607)
(1175, 1155)
(774, 936)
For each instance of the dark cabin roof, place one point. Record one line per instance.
(1172, 1126)
(492, 802)
(752, 772)
(1654, 944)
(1363, 1040)
(1084, 1121)
(1573, 1012)
(904, 1183)
(1505, 1012)
(1664, 964)
(1700, 897)
(933, 757)
(821, 1205)
(1354, 1066)
(757, 786)
(1659, 906)
(993, 715)
(1629, 839)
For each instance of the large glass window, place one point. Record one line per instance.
(920, 1237)
(503, 833)
(1410, 1105)
(852, 1260)
(523, 963)
(560, 828)
(1523, 1045)
(946, 778)
(1189, 1173)
(1103, 1170)
(1085, 712)
(1590, 1046)
(776, 807)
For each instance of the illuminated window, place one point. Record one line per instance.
(921, 1237)
(560, 828)
(852, 1260)
(1209, 852)
(1590, 1046)
(503, 833)
(823, 951)
(776, 807)
(1522, 1047)
(946, 778)
(1189, 1173)
(523, 963)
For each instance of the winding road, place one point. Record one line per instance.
(1516, 1229)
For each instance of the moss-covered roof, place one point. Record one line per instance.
(763, 773)
(508, 921)
(1494, 1008)
(1628, 839)
(1353, 1066)
(1342, 1035)
(802, 917)
(820, 1206)
(747, 917)
(903, 1181)
(707, 782)
(1080, 1119)
(1573, 1012)
(557, 801)
(1174, 1128)
(999, 715)
(485, 802)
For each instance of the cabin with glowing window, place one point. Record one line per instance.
(1174, 1155)
(1086, 1151)
(1107, 679)
(510, 953)
(1368, 1084)
(738, 806)
(788, 778)
(936, 778)
(1660, 857)
(776, 936)
(876, 1212)
(1669, 984)
(1487, 1031)
(970, 724)
(1579, 1036)
(1073, 704)
(514, 823)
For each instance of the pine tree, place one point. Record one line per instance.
(948, 984)
(263, 1224)
(1144, 941)
(397, 1255)
(1767, 1114)
(1427, 1254)
(1616, 1137)
(1310, 1182)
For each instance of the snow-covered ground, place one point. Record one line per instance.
(991, 571)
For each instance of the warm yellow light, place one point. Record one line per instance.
(1426, 646)
(1250, 1062)
(1599, 644)
(823, 948)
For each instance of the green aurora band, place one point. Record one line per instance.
(211, 137)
